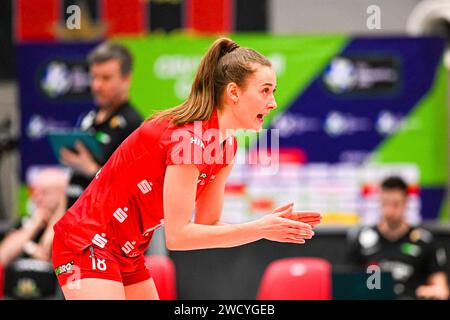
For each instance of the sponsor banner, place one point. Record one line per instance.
(54, 92)
(359, 102)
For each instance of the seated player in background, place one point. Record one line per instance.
(411, 254)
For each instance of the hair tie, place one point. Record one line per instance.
(233, 46)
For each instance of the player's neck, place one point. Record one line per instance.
(227, 124)
(393, 232)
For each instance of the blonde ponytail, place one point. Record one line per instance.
(224, 62)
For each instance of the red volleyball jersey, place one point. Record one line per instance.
(123, 204)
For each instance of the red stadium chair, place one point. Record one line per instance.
(162, 270)
(296, 279)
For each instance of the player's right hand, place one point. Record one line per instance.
(275, 227)
(310, 217)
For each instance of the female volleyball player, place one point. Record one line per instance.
(175, 162)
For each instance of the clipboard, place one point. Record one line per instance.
(67, 139)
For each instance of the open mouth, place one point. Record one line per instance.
(260, 117)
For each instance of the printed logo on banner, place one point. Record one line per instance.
(296, 124)
(63, 79)
(338, 124)
(362, 74)
(389, 122)
(39, 126)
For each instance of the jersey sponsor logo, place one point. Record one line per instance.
(410, 249)
(100, 240)
(120, 214)
(198, 142)
(128, 247)
(88, 121)
(145, 186)
(185, 150)
(201, 178)
(103, 137)
(117, 122)
(400, 271)
(67, 267)
(368, 238)
(421, 234)
(369, 241)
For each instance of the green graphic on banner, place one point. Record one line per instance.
(421, 137)
(444, 213)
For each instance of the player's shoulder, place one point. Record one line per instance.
(187, 132)
(169, 135)
(421, 235)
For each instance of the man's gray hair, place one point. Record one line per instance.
(107, 51)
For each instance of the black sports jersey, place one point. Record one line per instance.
(410, 259)
(110, 134)
(21, 223)
(26, 277)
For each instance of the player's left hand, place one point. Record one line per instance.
(81, 160)
(310, 217)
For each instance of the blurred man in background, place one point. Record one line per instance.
(111, 122)
(417, 263)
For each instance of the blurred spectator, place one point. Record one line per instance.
(8, 144)
(33, 235)
(111, 122)
(411, 254)
(25, 252)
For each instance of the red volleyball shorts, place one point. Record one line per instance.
(98, 263)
